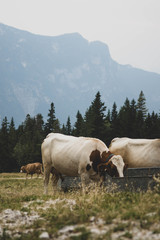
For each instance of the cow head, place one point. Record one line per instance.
(115, 166)
(22, 169)
(107, 162)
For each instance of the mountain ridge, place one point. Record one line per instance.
(67, 70)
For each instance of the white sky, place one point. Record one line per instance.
(130, 28)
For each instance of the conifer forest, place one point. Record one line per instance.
(22, 145)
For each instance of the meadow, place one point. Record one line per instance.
(26, 213)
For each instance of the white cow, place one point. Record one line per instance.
(77, 156)
(137, 153)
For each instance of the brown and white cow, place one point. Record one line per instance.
(32, 168)
(77, 156)
(137, 153)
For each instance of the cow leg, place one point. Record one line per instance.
(85, 181)
(84, 177)
(55, 177)
(47, 170)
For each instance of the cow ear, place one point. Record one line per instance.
(105, 155)
(95, 156)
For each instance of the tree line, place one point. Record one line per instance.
(22, 145)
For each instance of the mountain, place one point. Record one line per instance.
(67, 70)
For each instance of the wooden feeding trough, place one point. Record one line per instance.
(135, 179)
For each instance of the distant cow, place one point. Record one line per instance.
(77, 156)
(32, 168)
(137, 153)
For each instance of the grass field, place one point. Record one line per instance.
(25, 213)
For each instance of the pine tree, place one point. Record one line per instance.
(108, 117)
(141, 105)
(12, 133)
(38, 137)
(78, 125)
(114, 113)
(27, 149)
(95, 118)
(49, 127)
(133, 119)
(141, 115)
(39, 123)
(88, 123)
(124, 119)
(114, 122)
(56, 126)
(68, 126)
(63, 130)
(152, 126)
(12, 139)
(108, 129)
(4, 146)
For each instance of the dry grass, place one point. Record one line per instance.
(108, 214)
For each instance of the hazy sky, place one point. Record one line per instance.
(130, 28)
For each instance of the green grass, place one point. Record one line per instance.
(125, 207)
